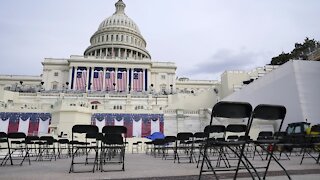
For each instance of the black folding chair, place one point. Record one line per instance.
(76, 146)
(18, 148)
(47, 149)
(183, 146)
(4, 148)
(32, 143)
(235, 111)
(311, 146)
(166, 146)
(212, 133)
(63, 148)
(264, 112)
(262, 136)
(198, 141)
(113, 146)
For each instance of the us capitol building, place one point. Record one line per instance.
(115, 82)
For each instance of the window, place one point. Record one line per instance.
(56, 74)
(163, 88)
(54, 86)
(102, 38)
(163, 76)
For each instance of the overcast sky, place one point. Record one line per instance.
(203, 37)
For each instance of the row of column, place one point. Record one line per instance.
(90, 76)
(117, 52)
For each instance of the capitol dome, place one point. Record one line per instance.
(118, 37)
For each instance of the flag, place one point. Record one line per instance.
(4, 123)
(24, 125)
(100, 123)
(28, 123)
(110, 79)
(97, 80)
(81, 79)
(122, 81)
(138, 125)
(137, 81)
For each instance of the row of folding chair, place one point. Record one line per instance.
(242, 115)
(100, 149)
(19, 147)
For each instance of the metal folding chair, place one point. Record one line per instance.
(241, 113)
(90, 131)
(113, 146)
(265, 112)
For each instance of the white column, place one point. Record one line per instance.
(143, 80)
(119, 52)
(131, 54)
(92, 71)
(132, 72)
(116, 79)
(70, 77)
(104, 79)
(100, 52)
(128, 80)
(75, 76)
(125, 53)
(87, 80)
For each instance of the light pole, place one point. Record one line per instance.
(216, 91)
(114, 86)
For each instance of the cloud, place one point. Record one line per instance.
(227, 59)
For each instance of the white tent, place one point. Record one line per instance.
(295, 84)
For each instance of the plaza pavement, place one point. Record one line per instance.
(145, 167)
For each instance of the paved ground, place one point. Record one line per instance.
(146, 167)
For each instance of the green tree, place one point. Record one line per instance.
(300, 52)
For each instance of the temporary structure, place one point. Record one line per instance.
(295, 85)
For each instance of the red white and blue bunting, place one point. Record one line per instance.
(29, 123)
(138, 125)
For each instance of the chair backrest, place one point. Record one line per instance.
(184, 136)
(63, 141)
(233, 110)
(85, 128)
(114, 139)
(265, 135)
(32, 139)
(170, 139)
(270, 113)
(49, 140)
(200, 135)
(216, 130)
(16, 135)
(114, 130)
(3, 135)
(114, 134)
